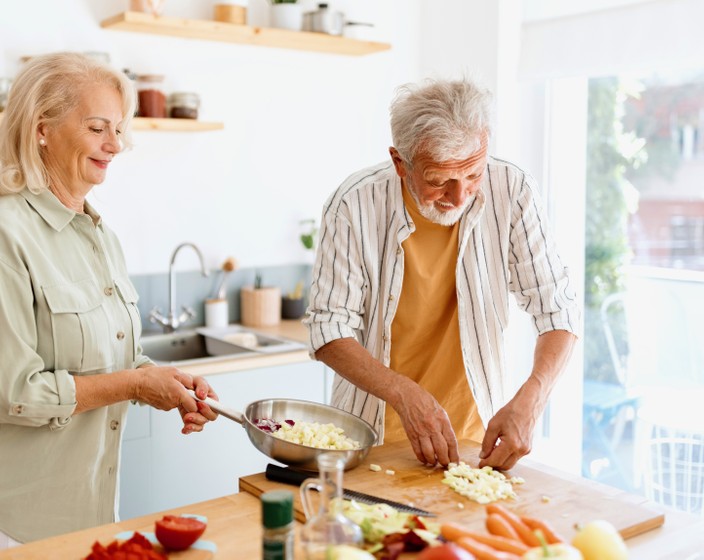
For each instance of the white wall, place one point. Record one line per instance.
(479, 39)
(535, 10)
(296, 124)
(634, 36)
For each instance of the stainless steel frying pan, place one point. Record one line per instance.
(293, 454)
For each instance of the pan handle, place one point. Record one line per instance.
(220, 408)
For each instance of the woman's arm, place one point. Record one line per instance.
(162, 387)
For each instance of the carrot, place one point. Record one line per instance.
(453, 532)
(551, 536)
(524, 532)
(483, 551)
(497, 525)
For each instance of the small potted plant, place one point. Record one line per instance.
(293, 304)
(310, 233)
(286, 14)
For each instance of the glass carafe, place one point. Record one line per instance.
(328, 527)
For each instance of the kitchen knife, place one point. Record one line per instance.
(290, 476)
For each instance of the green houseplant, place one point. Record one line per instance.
(293, 304)
(310, 232)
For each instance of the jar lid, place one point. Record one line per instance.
(150, 78)
(184, 95)
(277, 508)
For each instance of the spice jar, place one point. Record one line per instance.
(184, 105)
(152, 100)
(278, 530)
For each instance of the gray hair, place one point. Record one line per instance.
(443, 119)
(46, 89)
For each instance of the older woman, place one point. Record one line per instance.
(71, 358)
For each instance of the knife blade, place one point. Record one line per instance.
(288, 475)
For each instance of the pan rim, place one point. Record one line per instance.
(375, 435)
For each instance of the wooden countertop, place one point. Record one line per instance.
(234, 522)
(234, 525)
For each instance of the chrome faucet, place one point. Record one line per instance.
(171, 322)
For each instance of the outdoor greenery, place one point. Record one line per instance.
(629, 139)
(610, 156)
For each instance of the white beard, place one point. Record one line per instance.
(431, 213)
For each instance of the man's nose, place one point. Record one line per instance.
(459, 191)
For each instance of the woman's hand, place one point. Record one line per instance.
(165, 387)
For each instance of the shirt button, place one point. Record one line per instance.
(385, 338)
(108, 291)
(120, 335)
(114, 424)
(398, 251)
(18, 409)
(391, 297)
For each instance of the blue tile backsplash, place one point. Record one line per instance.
(192, 289)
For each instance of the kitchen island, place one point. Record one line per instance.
(234, 524)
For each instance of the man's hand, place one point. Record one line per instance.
(427, 426)
(426, 423)
(509, 434)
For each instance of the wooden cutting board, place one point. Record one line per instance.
(560, 498)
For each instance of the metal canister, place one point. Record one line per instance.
(183, 105)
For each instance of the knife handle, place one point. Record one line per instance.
(286, 475)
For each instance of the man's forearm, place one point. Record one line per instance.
(353, 362)
(552, 352)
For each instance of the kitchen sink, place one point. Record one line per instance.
(212, 344)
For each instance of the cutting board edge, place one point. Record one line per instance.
(246, 486)
(643, 527)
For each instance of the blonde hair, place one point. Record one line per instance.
(443, 119)
(46, 89)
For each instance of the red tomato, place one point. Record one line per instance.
(444, 552)
(178, 533)
(137, 548)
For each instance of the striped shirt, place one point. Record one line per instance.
(504, 247)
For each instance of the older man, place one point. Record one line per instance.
(410, 291)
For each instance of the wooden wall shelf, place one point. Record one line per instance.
(174, 125)
(241, 34)
(171, 125)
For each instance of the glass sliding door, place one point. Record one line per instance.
(644, 286)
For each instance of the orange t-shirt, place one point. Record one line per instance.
(425, 334)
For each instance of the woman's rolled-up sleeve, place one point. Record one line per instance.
(29, 395)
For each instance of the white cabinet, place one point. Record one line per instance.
(162, 469)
